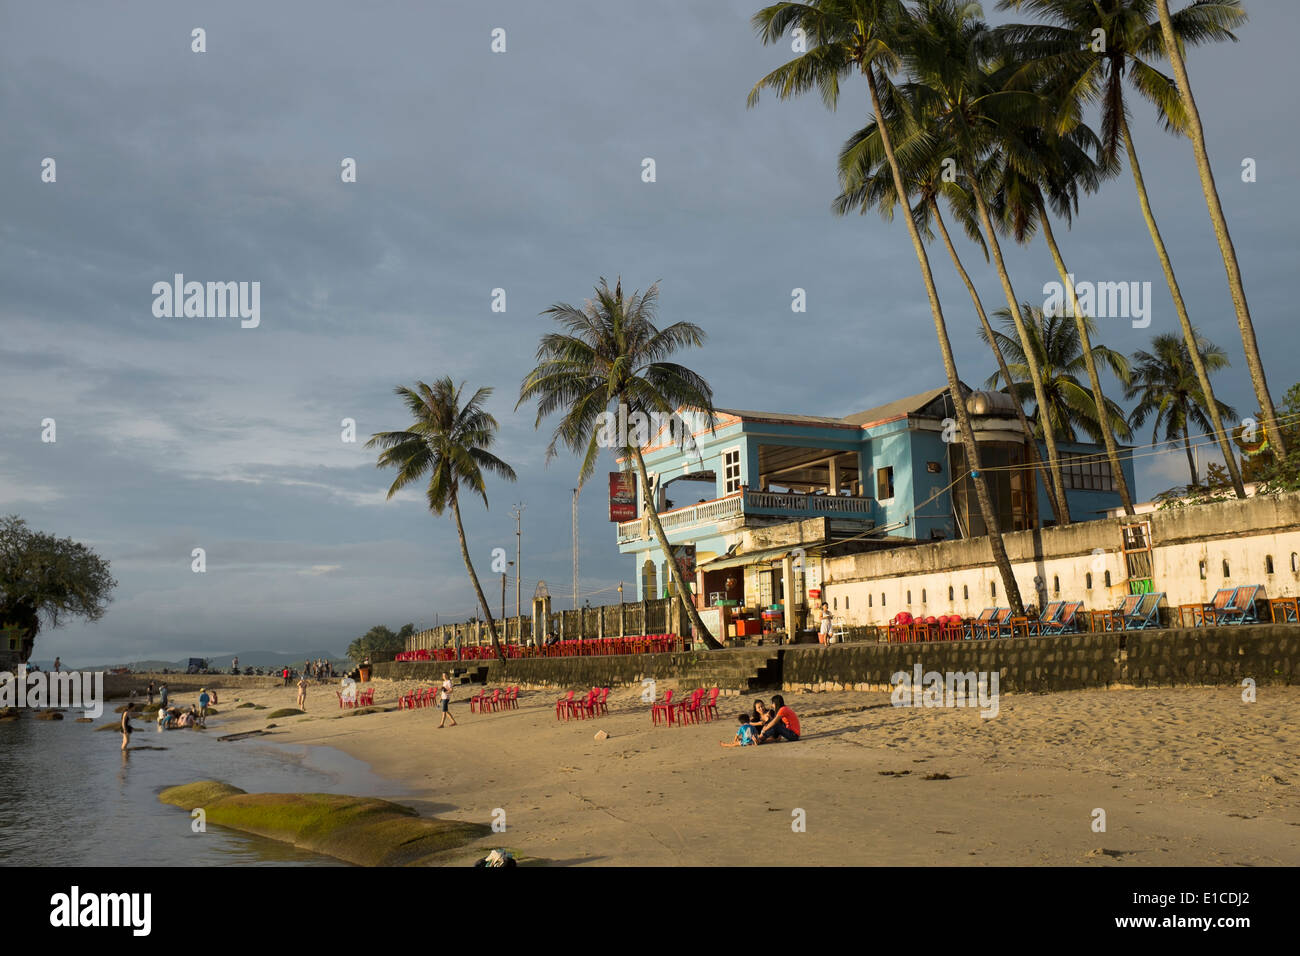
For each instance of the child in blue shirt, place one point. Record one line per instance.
(744, 733)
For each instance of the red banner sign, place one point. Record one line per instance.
(622, 496)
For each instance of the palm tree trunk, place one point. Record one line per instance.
(1031, 359)
(1191, 459)
(949, 366)
(469, 566)
(1189, 333)
(673, 570)
(1031, 441)
(1090, 362)
(1229, 253)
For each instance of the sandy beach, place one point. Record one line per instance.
(1185, 776)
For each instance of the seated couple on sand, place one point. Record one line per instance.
(766, 725)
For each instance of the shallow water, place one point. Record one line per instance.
(70, 797)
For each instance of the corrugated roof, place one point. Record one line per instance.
(897, 408)
(751, 416)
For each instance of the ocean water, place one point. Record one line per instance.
(68, 797)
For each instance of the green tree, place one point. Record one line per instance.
(1261, 462)
(1165, 384)
(609, 360)
(379, 643)
(1089, 49)
(1071, 407)
(448, 443)
(44, 580)
(871, 38)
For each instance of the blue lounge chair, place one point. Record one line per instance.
(1067, 622)
(1243, 608)
(1146, 614)
(1049, 616)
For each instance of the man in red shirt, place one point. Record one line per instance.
(783, 726)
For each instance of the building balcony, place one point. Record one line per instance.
(746, 503)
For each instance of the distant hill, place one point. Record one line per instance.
(219, 662)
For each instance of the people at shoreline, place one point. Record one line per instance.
(149, 690)
(784, 724)
(126, 728)
(203, 701)
(162, 695)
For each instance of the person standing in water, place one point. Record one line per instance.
(126, 728)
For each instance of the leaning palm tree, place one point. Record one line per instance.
(1071, 406)
(868, 183)
(964, 94)
(1196, 132)
(448, 442)
(1167, 390)
(1060, 166)
(871, 37)
(1067, 52)
(610, 354)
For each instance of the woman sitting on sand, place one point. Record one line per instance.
(760, 716)
(783, 725)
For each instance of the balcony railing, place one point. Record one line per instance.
(740, 503)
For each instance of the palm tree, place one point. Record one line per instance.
(1061, 165)
(1064, 50)
(611, 354)
(448, 442)
(969, 107)
(1168, 391)
(868, 183)
(870, 37)
(1071, 406)
(1196, 132)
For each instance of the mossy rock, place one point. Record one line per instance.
(269, 726)
(48, 715)
(360, 830)
(364, 710)
(246, 704)
(259, 707)
(85, 720)
(9, 713)
(133, 705)
(284, 712)
(115, 725)
(213, 710)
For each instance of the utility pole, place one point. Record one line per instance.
(575, 549)
(518, 512)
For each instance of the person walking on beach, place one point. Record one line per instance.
(302, 692)
(126, 728)
(825, 634)
(204, 699)
(162, 695)
(444, 700)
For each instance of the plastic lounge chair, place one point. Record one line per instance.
(986, 615)
(993, 626)
(1117, 620)
(1242, 609)
(1067, 621)
(1049, 615)
(1211, 610)
(1146, 614)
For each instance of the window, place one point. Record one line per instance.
(950, 592)
(1268, 564)
(846, 602)
(730, 470)
(1202, 569)
(884, 483)
(965, 592)
(1107, 579)
(922, 595)
(1056, 584)
(882, 598)
(909, 596)
(835, 604)
(869, 598)
(1226, 572)
(649, 585)
(1087, 581)
(993, 589)
(1295, 563)
(1086, 472)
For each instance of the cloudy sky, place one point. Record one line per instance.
(476, 170)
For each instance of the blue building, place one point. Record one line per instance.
(757, 500)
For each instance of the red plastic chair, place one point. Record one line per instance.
(494, 703)
(663, 709)
(710, 706)
(562, 706)
(582, 708)
(598, 704)
(690, 710)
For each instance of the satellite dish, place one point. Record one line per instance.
(540, 591)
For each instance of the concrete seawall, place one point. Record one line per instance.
(1266, 653)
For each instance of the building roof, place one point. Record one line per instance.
(782, 417)
(895, 409)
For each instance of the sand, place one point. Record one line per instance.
(1185, 776)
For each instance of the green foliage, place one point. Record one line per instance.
(1276, 477)
(44, 579)
(379, 643)
(1217, 487)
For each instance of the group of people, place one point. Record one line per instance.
(319, 669)
(765, 725)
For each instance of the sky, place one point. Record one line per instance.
(479, 170)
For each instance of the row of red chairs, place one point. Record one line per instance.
(684, 711)
(589, 706)
(642, 644)
(364, 698)
(483, 701)
(417, 698)
(946, 627)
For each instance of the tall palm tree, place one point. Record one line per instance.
(870, 37)
(1063, 50)
(610, 354)
(1196, 132)
(1059, 165)
(955, 78)
(868, 183)
(1071, 406)
(1168, 391)
(448, 442)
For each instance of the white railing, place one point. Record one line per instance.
(739, 503)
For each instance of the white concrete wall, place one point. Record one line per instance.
(1242, 533)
